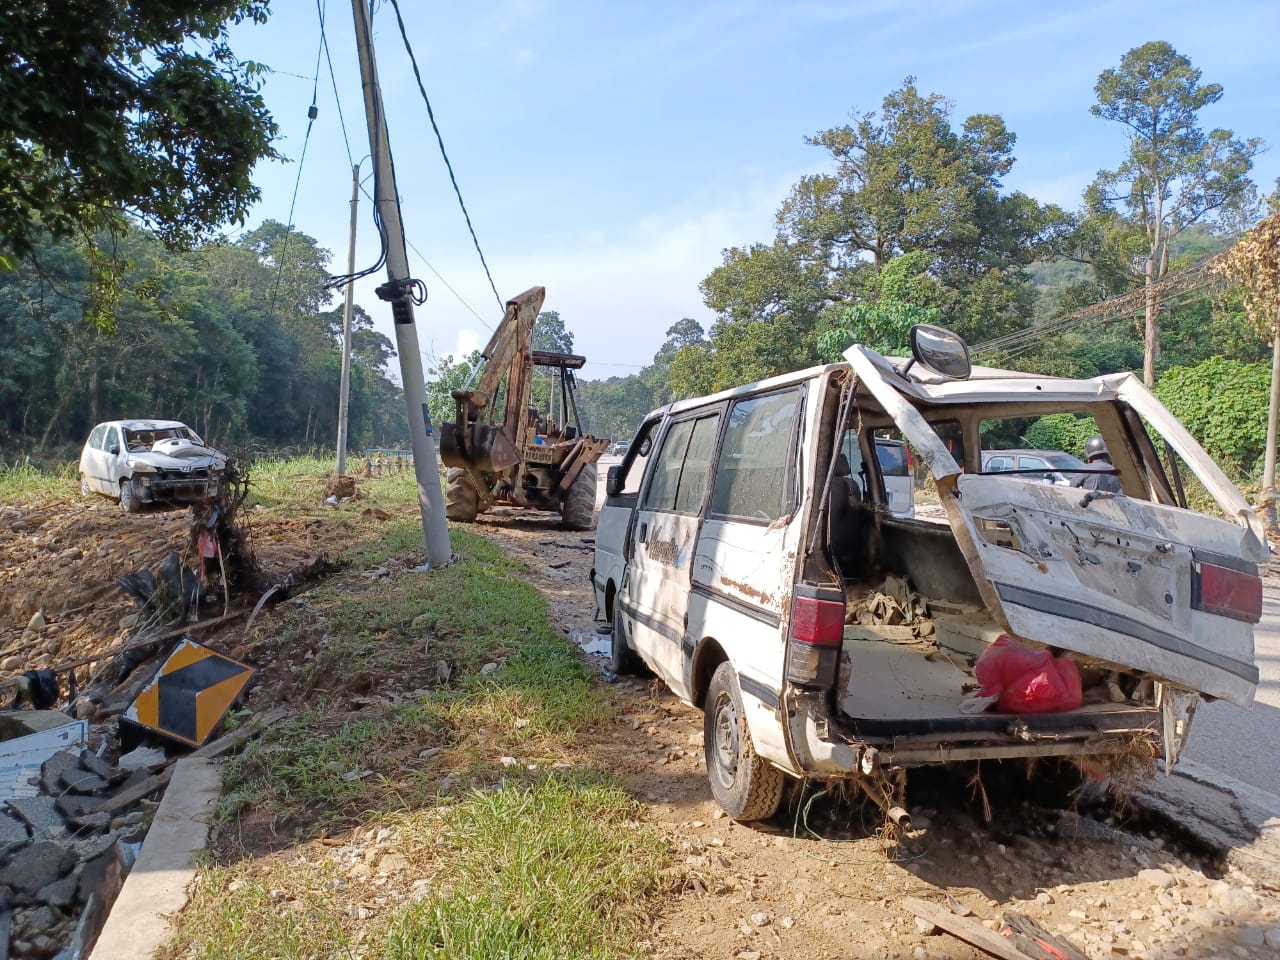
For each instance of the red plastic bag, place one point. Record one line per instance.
(1027, 679)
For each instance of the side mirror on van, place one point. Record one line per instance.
(613, 481)
(941, 351)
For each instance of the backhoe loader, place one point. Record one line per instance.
(519, 458)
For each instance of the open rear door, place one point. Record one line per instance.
(1145, 587)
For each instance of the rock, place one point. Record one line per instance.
(143, 758)
(13, 663)
(131, 819)
(1251, 937)
(488, 668)
(1137, 915)
(927, 928)
(1201, 917)
(420, 621)
(13, 833)
(36, 867)
(1160, 879)
(60, 893)
(95, 764)
(39, 813)
(748, 955)
(51, 771)
(32, 921)
(392, 863)
(760, 919)
(1045, 897)
(1234, 901)
(90, 822)
(76, 806)
(430, 752)
(443, 671)
(82, 781)
(51, 645)
(70, 555)
(36, 623)
(94, 846)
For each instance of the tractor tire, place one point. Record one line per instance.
(578, 510)
(461, 501)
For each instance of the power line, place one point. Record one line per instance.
(312, 113)
(324, 45)
(440, 140)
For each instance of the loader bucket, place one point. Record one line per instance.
(486, 448)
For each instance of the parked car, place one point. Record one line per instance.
(150, 461)
(746, 560)
(618, 447)
(1047, 466)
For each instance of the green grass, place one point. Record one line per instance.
(557, 868)
(28, 482)
(547, 870)
(473, 612)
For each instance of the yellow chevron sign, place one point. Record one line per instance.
(190, 695)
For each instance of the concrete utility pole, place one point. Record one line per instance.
(397, 291)
(344, 390)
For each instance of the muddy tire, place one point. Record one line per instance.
(623, 660)
(746, 786)
(578, 511)
(461, 501)
(129, 501)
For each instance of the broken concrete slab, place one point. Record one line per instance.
(78, 780)
(142, 759)
(13, 833)
(90, 822)
(96, 765)
(51, 771)
(60, 893)
(39, 813)
(37, 866)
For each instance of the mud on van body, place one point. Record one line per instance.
(746, 553)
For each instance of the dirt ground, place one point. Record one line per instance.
(817, 882)
(822, 885)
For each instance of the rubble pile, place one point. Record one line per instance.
(67, 839)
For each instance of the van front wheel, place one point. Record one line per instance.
(746, 786)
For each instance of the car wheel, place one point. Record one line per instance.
(129, 497)
(746, 786)
(624, 661)
(85, 489)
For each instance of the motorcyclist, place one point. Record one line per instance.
(1101, 475)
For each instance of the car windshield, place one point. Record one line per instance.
(146, 439)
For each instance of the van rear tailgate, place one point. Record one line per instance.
(1110, 578)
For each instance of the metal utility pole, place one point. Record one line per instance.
(344, 390)
(398, 292)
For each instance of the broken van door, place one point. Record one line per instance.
(656, 584)
(1145, 586)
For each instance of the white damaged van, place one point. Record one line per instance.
(747, 553)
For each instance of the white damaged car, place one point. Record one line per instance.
(150, 461)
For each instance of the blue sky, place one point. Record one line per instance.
(610, 151)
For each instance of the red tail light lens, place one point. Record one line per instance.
(911, 467)
(820, 622)
(1226, 592)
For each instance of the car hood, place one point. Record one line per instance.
(181, 455)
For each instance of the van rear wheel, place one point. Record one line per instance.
(624, 661)
(746, 786)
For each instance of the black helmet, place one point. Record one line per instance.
(1095, 446)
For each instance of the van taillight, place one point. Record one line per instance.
(819, 622)
(1226, 592)
(911, 467)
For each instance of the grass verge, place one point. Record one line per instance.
(429, 797)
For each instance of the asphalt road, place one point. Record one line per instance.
(1245, 744)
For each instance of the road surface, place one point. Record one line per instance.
(1246, 743)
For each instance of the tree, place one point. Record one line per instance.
(905, 181)
(1175, 175)
(126, 109)
(550, 334)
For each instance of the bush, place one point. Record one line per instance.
(1061, 431)
(1224, 405)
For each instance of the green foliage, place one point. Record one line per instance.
(137, 109)
(1060, 431)
(443, 377)
(1224, 405)
(234, 339)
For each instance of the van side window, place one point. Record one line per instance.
(755, 467)
(680, 474)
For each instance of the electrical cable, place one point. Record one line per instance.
(312, 113)
(324, 45)
(440, 140)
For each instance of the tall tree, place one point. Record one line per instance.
(126, 109)
(905, 181)
(1175, 174)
